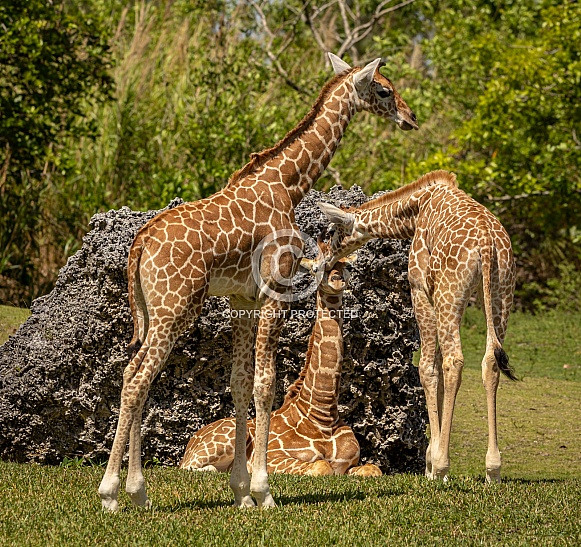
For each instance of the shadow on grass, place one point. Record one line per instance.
(288, 500)
(335, 497)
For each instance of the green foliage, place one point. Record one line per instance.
(53, 69)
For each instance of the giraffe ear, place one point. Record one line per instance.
(364, 77)
(338, 216)
(339, 65)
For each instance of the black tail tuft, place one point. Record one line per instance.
(133, 348)
(502, 362)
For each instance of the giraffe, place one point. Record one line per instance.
(211, 247)
(306, 436)
(458, 247)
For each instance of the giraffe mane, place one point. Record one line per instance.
(258, 159)
(429, 179)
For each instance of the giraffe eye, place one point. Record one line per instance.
(384, 93)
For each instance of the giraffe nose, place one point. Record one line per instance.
(413, 117)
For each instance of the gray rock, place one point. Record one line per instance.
(61, 373)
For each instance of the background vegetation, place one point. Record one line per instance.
(107, 103)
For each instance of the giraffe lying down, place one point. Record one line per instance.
(306, 435)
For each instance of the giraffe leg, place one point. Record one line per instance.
(429, 370)
(293, 466)
(241, 381)
(137, 379)
(135, 485)
(269, 327)
(452, 366)
(491, 378)
(367, 470)
(109, 487)
(212, 447)
(133, 397)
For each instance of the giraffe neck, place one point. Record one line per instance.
(316, 391)
(394, 214)
(299, 159)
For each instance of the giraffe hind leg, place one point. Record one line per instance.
(430, 370)
(293, 466)
(137, 379)
(212, 447)
(367, 470)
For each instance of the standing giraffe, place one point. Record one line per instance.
(306, 436)
(458, 247)
(209, 247)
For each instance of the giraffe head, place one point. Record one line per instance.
(335, 279)
(346, 234)
(376, 94)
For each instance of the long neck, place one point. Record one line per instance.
(305, 160)
(395, 220)
(300, 158)
(319, 381)
(394, 214)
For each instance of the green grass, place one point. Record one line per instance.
(60, 506)
(10, 319)
(542, 346)
(539, 502)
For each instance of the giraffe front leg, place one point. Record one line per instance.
(269, 327)
(241, 382)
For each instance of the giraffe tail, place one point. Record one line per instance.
(136, 299)
(487, 254)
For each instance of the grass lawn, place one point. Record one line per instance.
(10, 319)
(539, 502)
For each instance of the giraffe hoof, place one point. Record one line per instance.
(264, 500)
(139, 500)
(109, 505)
(440, 472)
(244, 503)
(493, 476)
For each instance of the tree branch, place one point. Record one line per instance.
(518, 196)
(271, 55)
(362, 31)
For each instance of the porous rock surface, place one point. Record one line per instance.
(61, 373)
